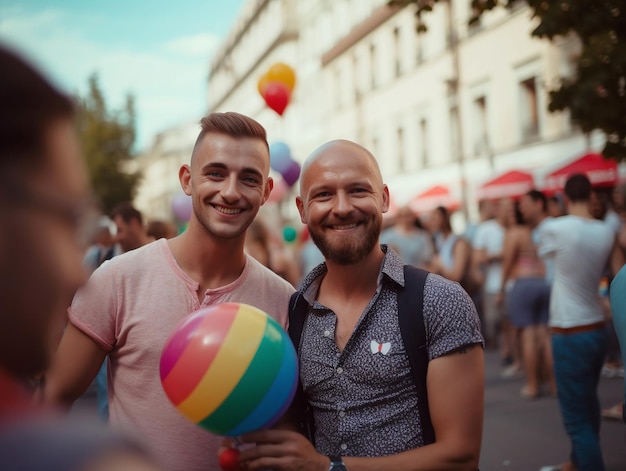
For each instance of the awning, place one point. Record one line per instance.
(513, 184)
(428, 200)
(600, 171)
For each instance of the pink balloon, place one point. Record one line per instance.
(182, 207)
(279, 191)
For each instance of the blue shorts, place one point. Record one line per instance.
(528, 302)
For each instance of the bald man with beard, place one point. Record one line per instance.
(363, 400)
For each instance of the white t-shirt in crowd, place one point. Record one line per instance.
(581, 248)
(490, 238)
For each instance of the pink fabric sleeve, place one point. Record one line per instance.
(94, 307)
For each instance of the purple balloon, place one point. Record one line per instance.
(280, 156)
(292, 173)
(182, 207)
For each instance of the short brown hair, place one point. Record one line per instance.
(578, 188)
(127, 212)
(232, 124)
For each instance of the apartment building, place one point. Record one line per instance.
(448, 109)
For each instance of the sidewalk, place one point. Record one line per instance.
(524, 435)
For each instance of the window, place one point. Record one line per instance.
(401, 153)
(474, 23)
(397, 51)
(454, 132)
(480, 131)
(337, 88)
(355, 78)
(375, 148)
(423, 142)
(419, 48)
(373, 65)
(529, 109)
(516, 5)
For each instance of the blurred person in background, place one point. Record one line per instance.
(267, 248)
(409, 239)
(488, 248)
(309, 255)
(102, 246)
(581, 248)
(157, 229)
(131, 232)
(453, 259)
(47, 220)
(528, 299)
(556, 206)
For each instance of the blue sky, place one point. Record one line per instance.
(157, 50)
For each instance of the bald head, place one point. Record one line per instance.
(337, 153)
(342, 201)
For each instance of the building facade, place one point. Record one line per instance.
(452, 107)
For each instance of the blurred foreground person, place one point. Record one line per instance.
(45, 215)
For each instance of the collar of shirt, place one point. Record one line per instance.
(392, 269)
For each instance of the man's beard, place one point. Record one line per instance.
(349, 251)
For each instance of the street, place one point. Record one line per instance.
(524, 435)
(520, 434)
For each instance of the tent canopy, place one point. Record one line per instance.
(512, 184)
(437, 195)
(600, 171)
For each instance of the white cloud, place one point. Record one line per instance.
(168, 80)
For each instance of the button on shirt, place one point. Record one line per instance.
(363, 399)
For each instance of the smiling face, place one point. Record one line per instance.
(228, 182)
(342, 199)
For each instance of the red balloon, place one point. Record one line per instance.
(276, 95)
(229, 459)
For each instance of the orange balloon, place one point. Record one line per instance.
(281, 72)
(262, 83)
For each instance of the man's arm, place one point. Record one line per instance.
(455, 399)
(455, 395)
(461, 254)
(74, 367)
(509, 257)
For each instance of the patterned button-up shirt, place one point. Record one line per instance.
(363, 398)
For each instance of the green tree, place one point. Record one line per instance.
(107, 138)
(595, 95)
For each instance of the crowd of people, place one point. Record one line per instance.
(390, 319)
(538, 269)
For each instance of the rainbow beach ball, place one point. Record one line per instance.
(230, 368)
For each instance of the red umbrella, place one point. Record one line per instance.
(428, 200)
(600, 171)
(513, 184)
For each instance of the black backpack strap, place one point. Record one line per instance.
(299, 410)
(298, 309)
(411, 321)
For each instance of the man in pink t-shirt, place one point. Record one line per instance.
(132, 304)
